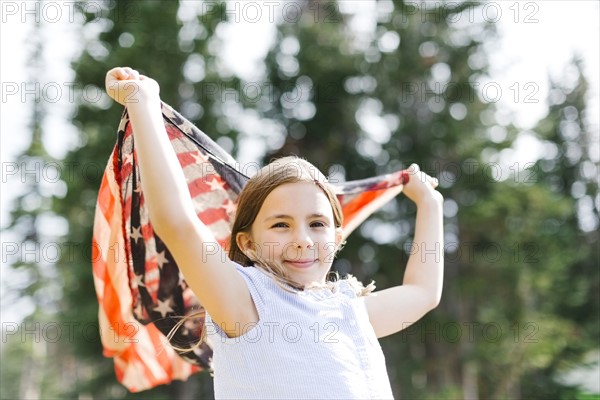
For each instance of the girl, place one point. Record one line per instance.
(277, 327)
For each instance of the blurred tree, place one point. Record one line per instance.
(521, 245)
(34, 287)
(566, 292)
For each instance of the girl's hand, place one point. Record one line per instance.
(421, 187)
(127, 86)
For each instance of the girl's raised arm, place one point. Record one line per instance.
(394, 309)
(210, 274)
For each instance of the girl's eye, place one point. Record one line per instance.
(317, 224)
(280, 225)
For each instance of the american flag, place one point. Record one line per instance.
(141, 293)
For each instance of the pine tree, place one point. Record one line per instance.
(566, 291)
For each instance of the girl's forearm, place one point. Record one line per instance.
(162, 179)
(425, 267)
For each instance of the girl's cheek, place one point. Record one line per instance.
(329, 251)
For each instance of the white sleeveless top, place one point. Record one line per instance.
(312, 344)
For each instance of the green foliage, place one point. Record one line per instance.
(585, 396)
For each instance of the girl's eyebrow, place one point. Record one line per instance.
(278, 216)
(285, 216)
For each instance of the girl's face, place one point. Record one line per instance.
(295, 227)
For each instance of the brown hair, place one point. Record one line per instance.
(284, 170)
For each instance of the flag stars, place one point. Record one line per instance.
(161, 259)
(215, 184)
(229, 206)
(198, 157)
(128, 158)
(164, 307)
(138, 280)
(136, 233)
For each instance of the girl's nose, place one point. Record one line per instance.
(303, 239)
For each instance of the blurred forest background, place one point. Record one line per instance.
(521, 298)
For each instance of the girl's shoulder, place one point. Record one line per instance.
(247, 270)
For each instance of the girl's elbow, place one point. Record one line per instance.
(435, 300)
(431, 299)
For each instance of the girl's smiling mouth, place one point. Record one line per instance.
(301, 263)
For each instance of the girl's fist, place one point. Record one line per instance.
(420, 186)
(126, 86)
